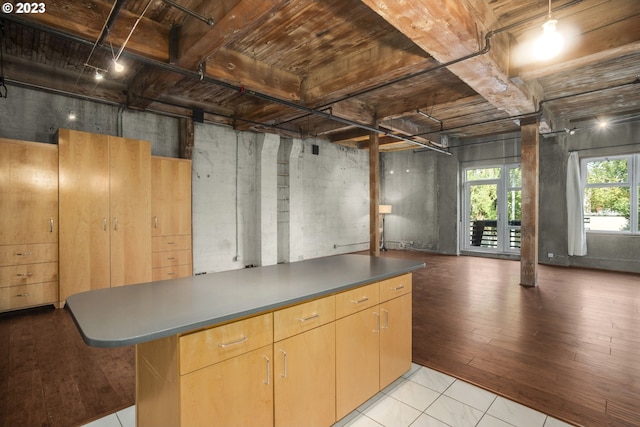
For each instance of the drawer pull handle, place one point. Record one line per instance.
(171, 258)
(240, 341)
(398, 288)
(171, 243)
(50, 225)
(268, 381)
(24, 274)
(284, 369)
(104, 224)
(304, 319)
(26, 294)
(386, 323)
(115, 223)
(24, 253)
(155, 222)
(171, 274)
(361, 300)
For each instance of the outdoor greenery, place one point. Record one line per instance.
(602, 195)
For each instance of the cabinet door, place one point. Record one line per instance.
(29, 192)
(130, 210)
(304, 384)
(236, 392)
(395, 339)
(171, 196)
(84, 212)
(357, 359)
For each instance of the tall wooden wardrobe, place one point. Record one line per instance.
(28, 224)
(105, 207)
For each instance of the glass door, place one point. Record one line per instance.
(492, 208)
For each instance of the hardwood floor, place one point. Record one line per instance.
(569, 347)
(49, 377)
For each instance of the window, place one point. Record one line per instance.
(492, 204)
(611, 193)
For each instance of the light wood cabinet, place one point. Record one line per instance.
(220, 376)
(308, 364)
(28, 224)
(105, 206)
(171, 218)
(304, 364)
(373, 340)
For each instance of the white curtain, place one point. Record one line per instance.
(577, 237)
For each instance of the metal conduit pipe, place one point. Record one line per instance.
(241, 89)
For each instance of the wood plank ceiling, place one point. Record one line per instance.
(420, 72)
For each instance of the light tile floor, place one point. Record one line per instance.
(421, 398)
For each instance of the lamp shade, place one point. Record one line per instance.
(384, 209)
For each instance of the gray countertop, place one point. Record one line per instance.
(137, 313)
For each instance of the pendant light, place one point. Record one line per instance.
(550, 43)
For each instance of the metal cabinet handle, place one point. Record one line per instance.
(50, 225)
(155, 222)
(27, 253)
(268, 381)
(361, 300)
(240, 341)
(115, 223)
(171, 258)
(104, 224)
(26, 294)
(386, 326)
(304, 319)
(24, 274)
(377, 331)
(398, 288)
(284, 369)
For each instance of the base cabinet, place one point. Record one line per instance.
(309, 364)
(236, 392)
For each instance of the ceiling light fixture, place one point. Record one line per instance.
(118, 67)
(603, 124)
(72, 115)
(550, 43)
(98, 75)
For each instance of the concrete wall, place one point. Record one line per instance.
(234, 178)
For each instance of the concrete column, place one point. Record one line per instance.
(267, 197)
(374, 195)
(530, 162)
(296, 202)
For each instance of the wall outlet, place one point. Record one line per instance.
(236, 258)
(550, 255)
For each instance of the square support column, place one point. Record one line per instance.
(530, 161)
(267, 194)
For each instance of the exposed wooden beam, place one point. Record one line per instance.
(530, 160)
(452, 29)
(150, 39)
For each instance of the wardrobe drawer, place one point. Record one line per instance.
(28, 254)
(22, 296)
(171, 258)
(302, 317)
(395, 287)
(28, 273)
(357, 299)
(174, 272)
(213, 345)
(171, 243)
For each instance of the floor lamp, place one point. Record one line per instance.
(383, 210)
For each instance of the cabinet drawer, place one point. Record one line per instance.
(302, 317)
(357, 299)
(28, 273)
(171, 258)
(28, 295)
(171, 243)
(175, 272)
(204, 348)
(395, 287)
(28, 254)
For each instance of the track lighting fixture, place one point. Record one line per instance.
(98, 76)
(117, 66)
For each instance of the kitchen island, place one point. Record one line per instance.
(284, 344)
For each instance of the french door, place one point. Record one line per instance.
(492, 206)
